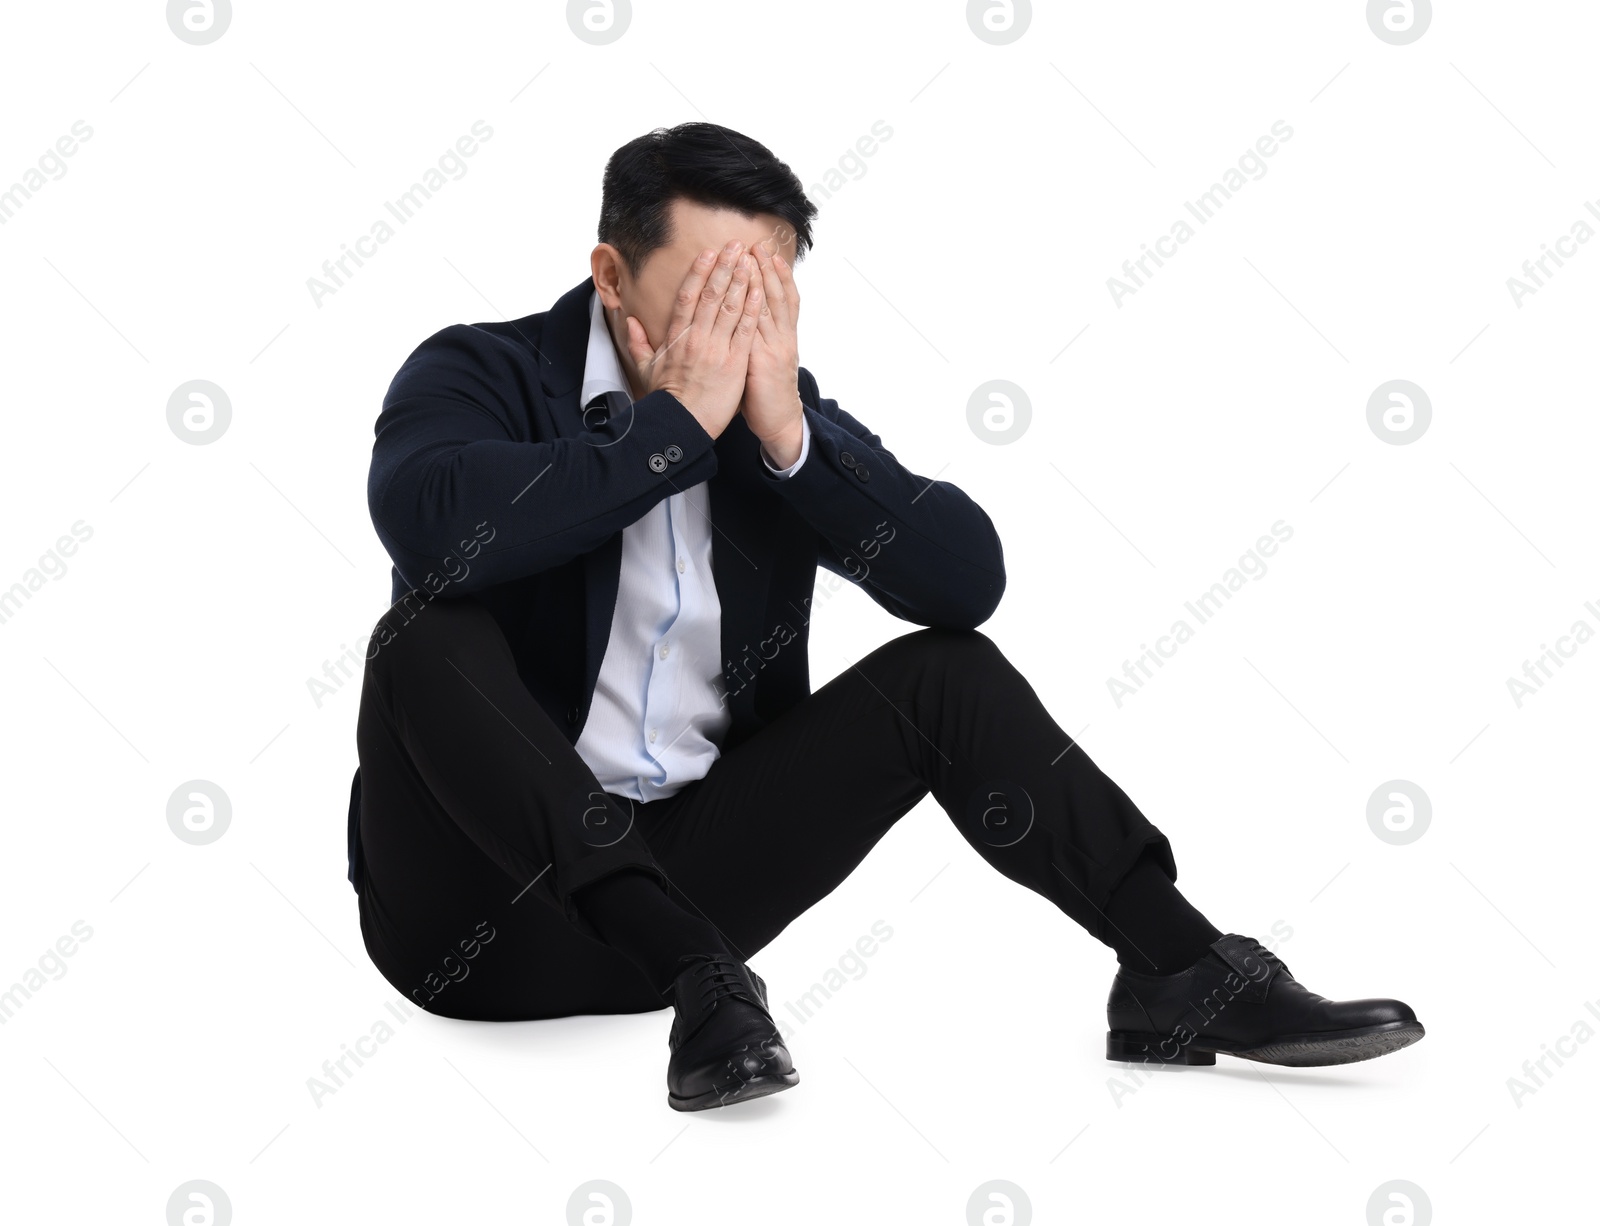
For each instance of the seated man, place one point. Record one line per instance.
(593, 778)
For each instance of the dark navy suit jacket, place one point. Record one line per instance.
(489, 480)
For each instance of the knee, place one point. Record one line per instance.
(966, 654)
(422, 626)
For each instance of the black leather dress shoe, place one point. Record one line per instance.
(725, 1045)
(1241, 1000)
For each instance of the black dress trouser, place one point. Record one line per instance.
(479, 821)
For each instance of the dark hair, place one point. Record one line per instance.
(702, 162)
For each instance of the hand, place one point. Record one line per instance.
(772, 407)
(707, 348)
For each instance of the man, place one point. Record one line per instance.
(593, 778)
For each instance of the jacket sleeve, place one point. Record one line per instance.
(456, 484)
(922, 549)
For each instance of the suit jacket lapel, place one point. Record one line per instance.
(563, 346)
(742, 521)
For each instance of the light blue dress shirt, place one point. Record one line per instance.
(656, 721)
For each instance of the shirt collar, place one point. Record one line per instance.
(602, 368)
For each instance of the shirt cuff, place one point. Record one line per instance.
(805, 449)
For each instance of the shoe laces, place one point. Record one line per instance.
(1270, 958)
(719, 979)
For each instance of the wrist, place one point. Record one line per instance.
(783, 449)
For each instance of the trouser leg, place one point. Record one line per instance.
(494, 759)
(476, 811)
(785, 816)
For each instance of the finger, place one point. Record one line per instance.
(767, 327)
(708, 310)
(772, 287)
(683, 306)
(749, 322)
(639, 346)
(767, 281)
(791, 291)
(734, 301)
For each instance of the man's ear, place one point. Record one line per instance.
(606, 267)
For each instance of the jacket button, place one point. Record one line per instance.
(572, 715)
(861, 471)
(674, 453)
(848, 460)
(658, 462)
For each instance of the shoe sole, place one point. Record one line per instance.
(1293, 1051)
(756, 1087)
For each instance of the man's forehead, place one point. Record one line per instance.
(697, 227)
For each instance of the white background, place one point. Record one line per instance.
(975, 243)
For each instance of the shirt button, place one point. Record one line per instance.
(652, 736)
(682, 566)
(658, 462)
(664, 650)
